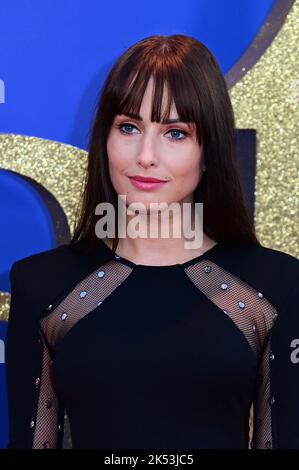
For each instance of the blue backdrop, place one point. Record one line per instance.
(54, 57)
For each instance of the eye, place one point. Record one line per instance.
(126, 125)
(178, 131)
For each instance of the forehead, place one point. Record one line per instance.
(148, 101)
(143, 117)
(154, 100)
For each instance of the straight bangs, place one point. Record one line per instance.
(172, 80)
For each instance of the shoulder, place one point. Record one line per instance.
(273, 272)
(259, 258)
(40, 262)
(275, 261)
(59, 261)
(40, 268)
(35, 279)
(42, 277)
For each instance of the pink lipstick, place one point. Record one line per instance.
(146, 182)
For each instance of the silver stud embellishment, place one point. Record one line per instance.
(275, 315)
(83, 294)
(242, 304)
(260, 295)
(37, 381)
(101, 274)
(49, 307)
(253, 328)
(116, 256)
(224, 286)
(32, 423)
(225, 311)
(63, 316)
(271, 356)
(272, 401)
(59, 427)
(207, 269)
(100, 302)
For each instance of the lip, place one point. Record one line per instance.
(146, 183)
(147, 179)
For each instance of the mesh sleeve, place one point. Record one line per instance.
(277, 403)
(255, 317)
(284, 373)
(35, 413)
(263, 403)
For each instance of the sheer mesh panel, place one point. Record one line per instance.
(83, 299)
(254, 316)
(262, 436)
(247, 308)
(47, 424)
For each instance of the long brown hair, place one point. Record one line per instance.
(195, 83)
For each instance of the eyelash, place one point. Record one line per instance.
(185, 133)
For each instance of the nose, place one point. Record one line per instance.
(147, 156)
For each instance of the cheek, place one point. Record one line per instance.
(112, 150)
(188, 165)
(117, 163)
(113, 160)
(118, 153)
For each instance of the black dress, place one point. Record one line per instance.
(154, 356)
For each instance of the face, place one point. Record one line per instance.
(169, 152)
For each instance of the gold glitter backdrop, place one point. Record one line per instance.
(265, 99)
(58, 167)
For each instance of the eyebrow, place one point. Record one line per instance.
(165, 121)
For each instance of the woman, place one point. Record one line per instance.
(143, 342)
